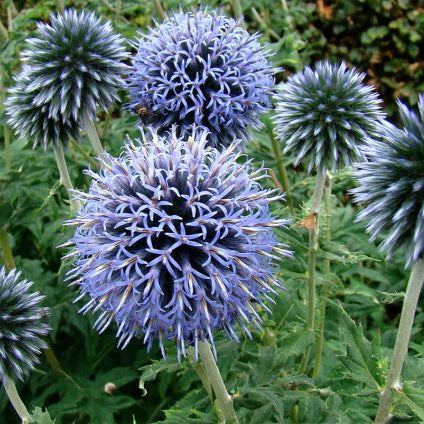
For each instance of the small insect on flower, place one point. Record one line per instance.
(175, 240)
(391, 184)
(205, 69)
(21, 326)
(323, 116)
(72, 67)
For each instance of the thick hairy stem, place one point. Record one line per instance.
(400, 350)
(16, 401)
(223, 399)
(65, 179)
(92, 135)
(7, 251)
(312, 259)
(320, 342)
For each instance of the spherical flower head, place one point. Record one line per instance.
(391, 183)
(21, 326)
(76, 65)
(323, 116)
(36, 123)
(175, 240)
(205, 69)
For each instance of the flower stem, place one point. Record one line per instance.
(93, 136)
(6, 132)
(312, 259)
(320, 343)
(282, 171)
(65, 179)
(237, 9)
(223, 399)
(400, 350)
(7, 251)
(159, 9)
(16, 401)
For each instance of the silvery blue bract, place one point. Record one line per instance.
(323, 116)
(205, 69)
(175, 240)
(21, 325)
(391, 183)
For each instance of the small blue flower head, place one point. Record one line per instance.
(35, 122)
(74, 66)
(391, 183)
(205, 69)
(323, 116)
(21, 326)
(175, 240)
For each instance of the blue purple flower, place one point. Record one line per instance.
(175, 240)
(324, 116)
(21, 325)
(391, 184)
(205, 69)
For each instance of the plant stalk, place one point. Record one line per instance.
(7, 251)
(223, 399)
(237, 9)
(159, 9)
(400, 350)
(312, 259)
(320, 342)
(92, 135)
(6, 132)
(282, 171)
(16, 401)
(65, 179)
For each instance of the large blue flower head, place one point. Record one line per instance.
(175, 240)
(391, 183)
(74, 66)
(21, 326)
(201, 68)
(323, 116)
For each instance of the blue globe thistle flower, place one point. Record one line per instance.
(35, 122)
(392, 185)
(74, 65)
(21, 326)
(323, 116)
(174, 241)
(205, 69)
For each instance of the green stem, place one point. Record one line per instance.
(282, 171)
(60, 5)
(320, 342)
(65, 179)
(400, 350)
(15, 400)
(6, 132)
(159, 9)
(92, 135)
(312, 259)
(223, 399)
(7, 251)
(237, 9)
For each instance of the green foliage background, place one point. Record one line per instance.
(382, 38)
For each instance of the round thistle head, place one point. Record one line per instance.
(21, 326)
(36, 122)
(391, 182)
(205, 69)
(323, 116)
(76, 65)
(175, 240)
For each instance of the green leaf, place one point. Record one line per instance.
(40, 417)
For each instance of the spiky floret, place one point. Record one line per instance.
(201, 68)
(35, 122)
(323, 116)
(74, 65)
(21, 325)
(175, 240)
(391, 183)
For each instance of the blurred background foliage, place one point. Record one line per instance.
(381, 38)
